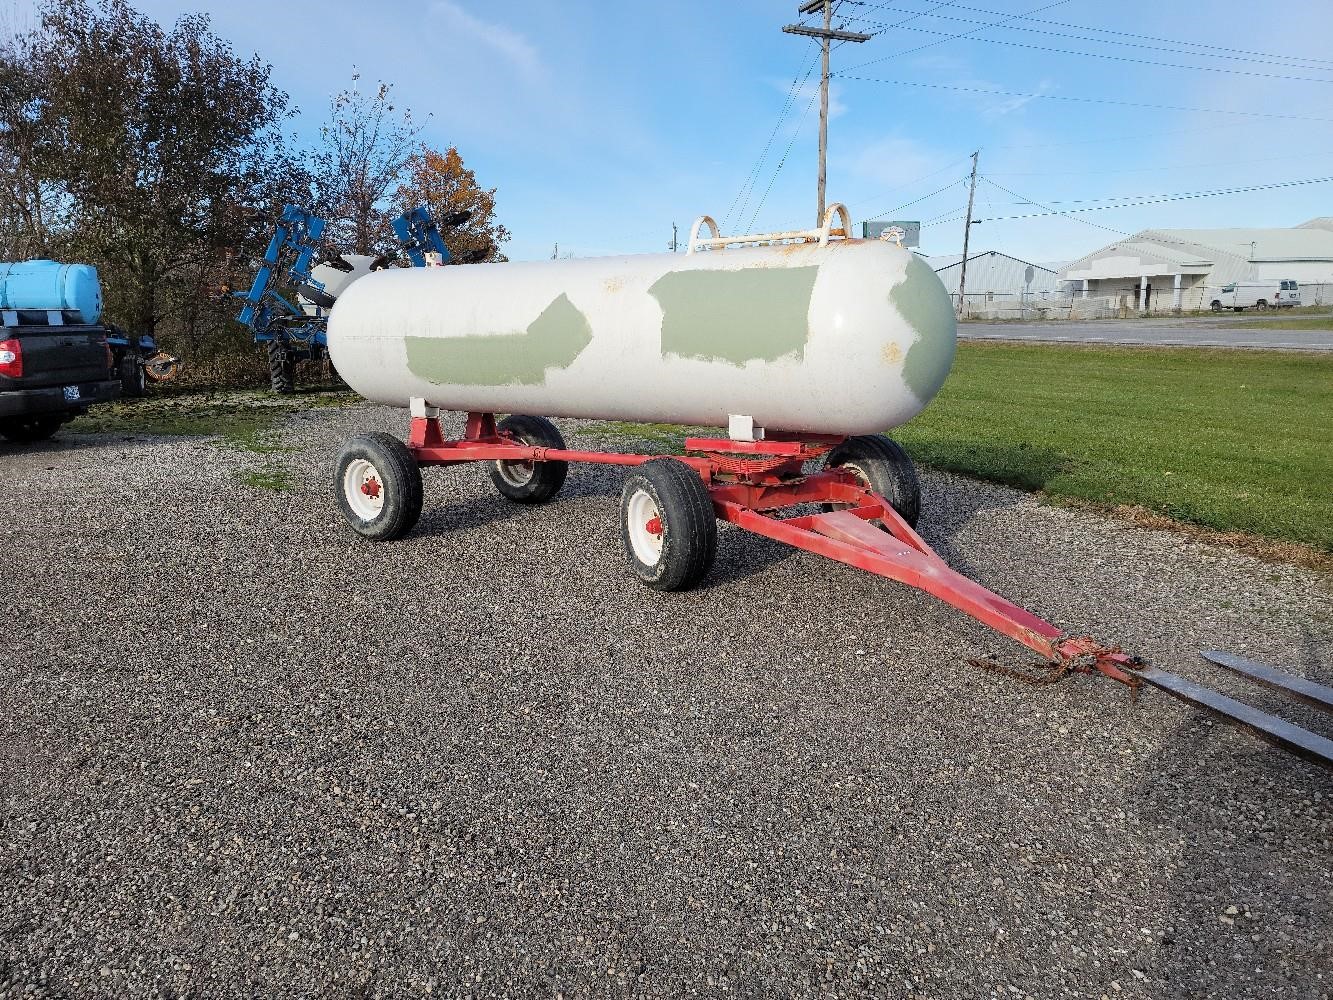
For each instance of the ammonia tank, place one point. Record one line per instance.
(49, 285)
(849, 338)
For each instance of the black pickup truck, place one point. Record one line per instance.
(50, 374)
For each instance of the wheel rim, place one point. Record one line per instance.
(516, 473)
(363, 487)
(861, 478)
(643, 521)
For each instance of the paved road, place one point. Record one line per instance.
(245, 754)
(1207, 332)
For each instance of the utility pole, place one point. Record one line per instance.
(967, 231)
(826, 35)
(675, 244)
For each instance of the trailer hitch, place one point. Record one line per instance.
(869, 534)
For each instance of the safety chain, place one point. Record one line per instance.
(1053, 672)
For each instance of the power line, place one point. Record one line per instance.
(1106, 140)
(782, 162)
(912, 183)
(964, 34)
(753, 177)
(1123, 59)
(1123, 34)
(1083, 100)
(826, 35)
(1181, 166)
(1137, 201)
(914, 201)
(1049, 211)
(787, 107)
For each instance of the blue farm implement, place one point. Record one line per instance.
(287, 306)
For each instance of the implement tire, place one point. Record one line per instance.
(667, 525)
(883, 466)
(378, 487)
(281, 369)
(530, 482)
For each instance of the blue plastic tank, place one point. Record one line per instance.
(48, 284)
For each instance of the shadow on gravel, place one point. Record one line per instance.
(63, 444)
(948, 507)
(741, 554)
(1220, 806)
(445, 512)
(443, 515)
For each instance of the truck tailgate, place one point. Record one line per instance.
(58, 355)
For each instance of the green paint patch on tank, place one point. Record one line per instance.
(553, 340)
(923, 303)
(752, 314)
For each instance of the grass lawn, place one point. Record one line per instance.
(1230, 440)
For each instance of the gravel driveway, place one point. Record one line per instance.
(246, 754)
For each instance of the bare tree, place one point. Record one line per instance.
(364, 148)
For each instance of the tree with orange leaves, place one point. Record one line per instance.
(441, 183)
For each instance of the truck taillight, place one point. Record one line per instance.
(11, 359)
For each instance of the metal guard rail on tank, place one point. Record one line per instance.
(751, 485)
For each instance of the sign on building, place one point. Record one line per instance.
(911, 231)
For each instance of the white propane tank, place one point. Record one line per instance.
(836, 337)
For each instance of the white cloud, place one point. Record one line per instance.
(506, 42)
(893, 161)
(998, 105)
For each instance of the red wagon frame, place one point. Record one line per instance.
(752, 484)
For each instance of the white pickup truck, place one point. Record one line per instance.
(1241, 295)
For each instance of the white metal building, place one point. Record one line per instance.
(1160, 270)
(995, 279)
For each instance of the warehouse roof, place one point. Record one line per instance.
(1227, 252)
(939, 263)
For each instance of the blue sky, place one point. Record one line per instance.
(602, 123)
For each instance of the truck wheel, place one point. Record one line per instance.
(668, 525)
(133, 381)
(1215, 306)
(378, 486)
(25, 429)
(1261, 305)
(281, 368)
(885, 468)
(530, 482)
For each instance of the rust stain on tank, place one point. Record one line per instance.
(614, 284)
(891, 353)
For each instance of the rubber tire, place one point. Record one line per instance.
(281, 369)
(886, 469)
(400, 477)
(133, 381)
(1215, 306)
(547, 477)
(1261, 305)
(26, 430)
(689, 524)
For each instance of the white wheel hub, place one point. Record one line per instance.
(364, 489)
(643, 521)
(518, 473)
